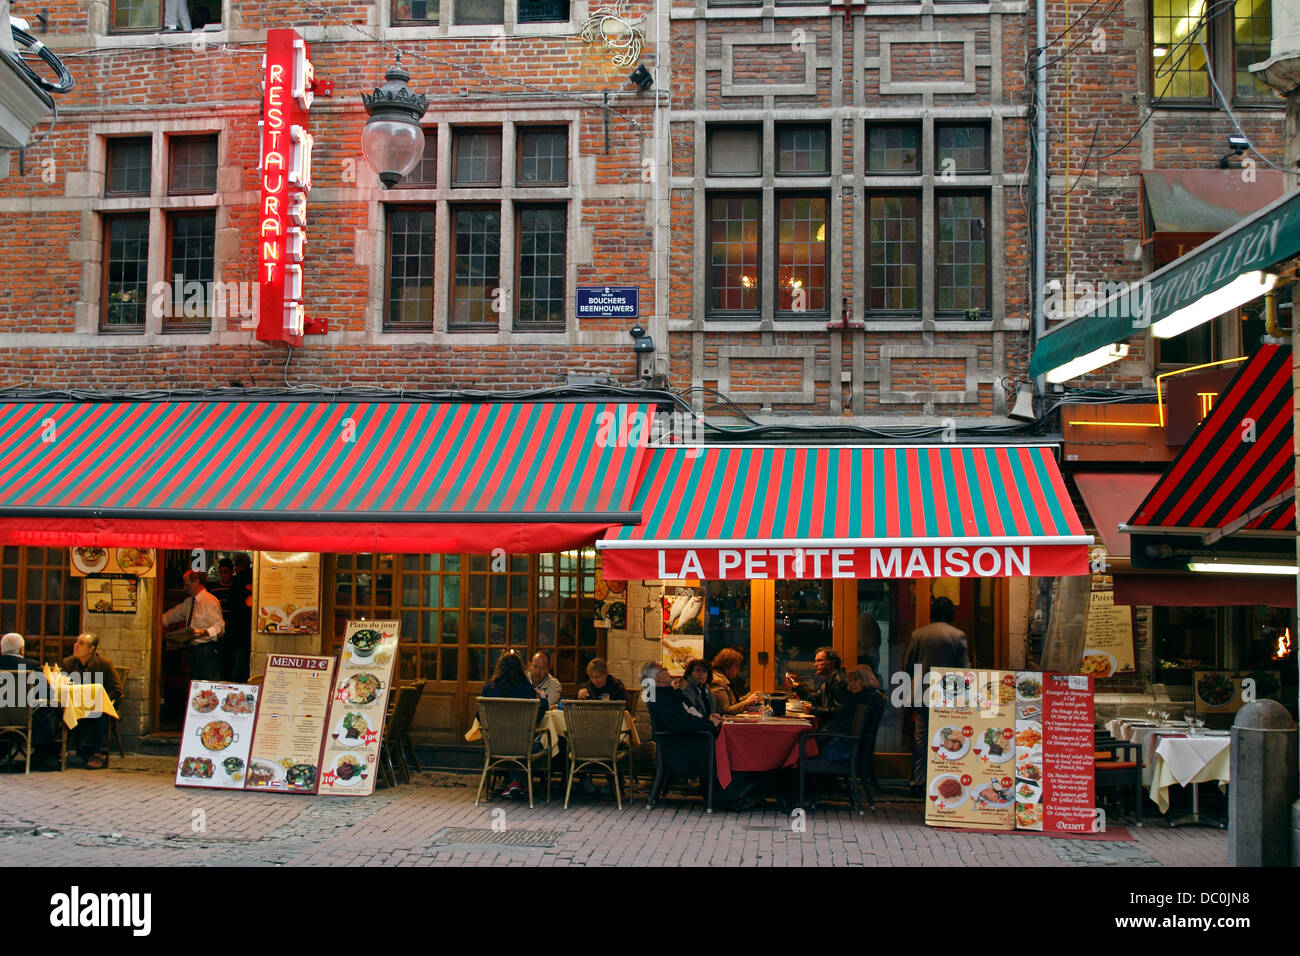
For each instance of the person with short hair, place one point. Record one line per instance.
(197, 623)
(828, 699)
(859, 693)
(601, 684)
(544, 683)
(685, 756)
(726, 668)
(12, 657)
(90, 736)
(937, 644)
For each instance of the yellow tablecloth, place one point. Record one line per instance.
(78, 700)
(554, 720)
(1189, 760)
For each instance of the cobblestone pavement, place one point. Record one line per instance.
(131, 814)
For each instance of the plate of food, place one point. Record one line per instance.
(217, 735)
(349, 770)
(135, 561)
(996, 744)
(995, 693)
(351, 730)
(1215, 689)
(232, 768)
(1028, 792)
(300, 776)
(950, 743)
(1029, 734)
(1031, 770)
(263, 773)
(363, 644)
(305, 620)
(1029, 688)
(1029, 816)
(361, 688)
(204, 702)
(199, 768)
(998, 794)
(239, 702)
(270, 619)
(1098, 664)
(948, 792)
(1026, 710)
(90, 560)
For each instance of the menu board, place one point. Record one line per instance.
(1108, 641)
(137, 562)
(1069, 791)
(683, 631)
(217, 736)
(350, 760)
(1030, 768)
(290, 723)
(288, 592)
(110, 593)
(972, 749)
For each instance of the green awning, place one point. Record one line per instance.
(1271, 235)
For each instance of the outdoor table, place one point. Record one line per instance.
(77, 700)
(1146, 734)
(1189, 761)
(758, 745)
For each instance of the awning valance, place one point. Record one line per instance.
(1269, 236)
(732, 512)
(1111, 498)
(344, 476)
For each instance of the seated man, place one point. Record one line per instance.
(27, 679)
(686, 757)
(539, 672)
(90, 736)
(601, 685)
(11, 654)
(827, 699)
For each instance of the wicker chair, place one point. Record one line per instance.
(594, 730)
(853, 769)
(510, 734)
(633, 701)
(16, 721)
(397, 729)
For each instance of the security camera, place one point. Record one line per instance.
(636, 332)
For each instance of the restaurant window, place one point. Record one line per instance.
(566, 625)
(1235, 36)
(425, 173)
(733, 253)
(193, 161)
(149, 16)
(431, 616)
(540, 270)
(191, 250)
(894, 148)
(476, 157)
(728, 622)
(363, 588)
(962, 274)
(543, 157)
(410, 268)
(894, 252)
(1251, 639)
(415, 13)
(40, 599)
(129, 163)
(497, 605)
(476, 267)
(126, 273)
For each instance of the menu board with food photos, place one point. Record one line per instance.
(1069, 782)
(110, 593)
(137, 562)
(1219, 692)
(350, 758)
(1109, 637)
(683, 632)
(218, 734)
(290, 723)
(288, 592)
(971, 749)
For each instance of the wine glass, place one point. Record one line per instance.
(1164, 718)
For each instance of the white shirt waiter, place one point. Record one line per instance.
(201, 612)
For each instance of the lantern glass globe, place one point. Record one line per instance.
(393, 147)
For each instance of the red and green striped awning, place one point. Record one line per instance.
(1238, 468)
(339, 476)
(725, 512)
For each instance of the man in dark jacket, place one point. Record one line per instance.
(91, 733)
(828, 699)
(685, 756)
(937, 644)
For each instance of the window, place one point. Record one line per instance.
(151, 16)
(476, 266)
(962, 277)
(543, 157)
(425, 173)
(193, 165)
(126, 272)
(540, 271)
(422, 12)
(733, 253)
(40, 599)
(410, 267)
(542, 11)
(476, 159)
(894, 148)
(894, 253)
(961, 148)
(803, 151)
(1235, 35)
(480, 11)
(801, 254)
(191, 250)
(128, 166)
(735, 151)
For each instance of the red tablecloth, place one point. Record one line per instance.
(758, 746)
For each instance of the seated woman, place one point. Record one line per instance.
(509, 680)
(685, 756)
(726, 668)
(694, 687)
(842, 723)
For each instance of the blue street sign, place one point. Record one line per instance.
(608, 302)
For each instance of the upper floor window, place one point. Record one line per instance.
(894, 148)
(193, 164)
(476, 157)
(425, 173)
(421, 12)
(129, 160)
(1189, 39)
(735, 150)
(961, 148)
(151, 16)
(543, 156)
(482, 12)
(803, 151)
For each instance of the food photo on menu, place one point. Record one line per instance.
(217, 735)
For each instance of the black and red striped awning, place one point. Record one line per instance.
(341, 476)
(1239, 463)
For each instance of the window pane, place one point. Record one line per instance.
(541, 265)
(1177, 57)
(480, 11)
(418, 11)
(193, 164)
(734, 151)
(540, 11)
(543, 156)
(961, 282)
(136, 14)
(801, 254)
(478, 267)
(733, 253)
(893, 149)
(961, 149)
(410, 267)
(478, 157)
(425, 173)
(894, 253)
(803, 150)
(128, 166)
(127, 266)
(1252, 41)
(193, 249)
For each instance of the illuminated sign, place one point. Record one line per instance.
(285, 170)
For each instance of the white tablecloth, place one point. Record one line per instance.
(1149, 736)
(1188, 760)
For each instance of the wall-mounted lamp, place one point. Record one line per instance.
(641, 78)
(641, 342)
(1238, 145)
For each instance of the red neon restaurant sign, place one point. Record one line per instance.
(285, 169)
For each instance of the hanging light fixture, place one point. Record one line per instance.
(393, 141)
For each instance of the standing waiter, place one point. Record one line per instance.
(198, 623)
(236, 645)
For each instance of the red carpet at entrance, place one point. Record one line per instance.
(1112, 834)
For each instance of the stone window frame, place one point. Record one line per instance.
(1220, 40)
(110, 6)
(394, 28)
(445, 198)
(161, 206)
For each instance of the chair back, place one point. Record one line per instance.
(508, 724)
(592, 728)
(633, 700)
(402, 713)
(16, 718)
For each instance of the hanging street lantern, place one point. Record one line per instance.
(393, 141)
